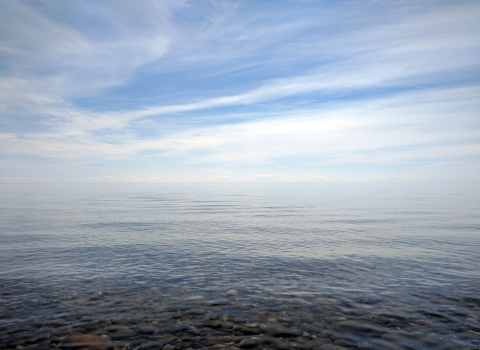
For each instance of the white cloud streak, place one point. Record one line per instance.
(389, 130)
(50, 62)
(57, 59)
(382, 54)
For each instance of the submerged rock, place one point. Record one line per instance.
(174, 328)
(86, 342)
(122, 334)
(146, 328)
(359, 327)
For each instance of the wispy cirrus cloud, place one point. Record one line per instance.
(49, 55)
(240, 84)
(409, 127)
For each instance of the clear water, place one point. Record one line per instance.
(308, 266)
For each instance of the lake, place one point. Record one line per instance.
(241, 266)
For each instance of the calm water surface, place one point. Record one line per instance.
(228, 266)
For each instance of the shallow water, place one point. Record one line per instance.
(310, 266)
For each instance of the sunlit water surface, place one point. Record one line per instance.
(308, 266)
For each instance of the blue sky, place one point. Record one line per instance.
(239, 90)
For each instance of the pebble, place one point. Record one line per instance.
(232, 292)
(122, 334)
(120, 320)
(146, 328)
(166, 338)
(174, 328)
(274, 342)
(99, 332)
(227, 325)
(247, 344)
(86, 342)
(360, 327)
(116, 328)
(332, 347)
(250, 330)
(58, 339)
(247, 323)
(343, 342)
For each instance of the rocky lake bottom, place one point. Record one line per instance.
(242, 268)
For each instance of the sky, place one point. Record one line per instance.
(177, 90)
